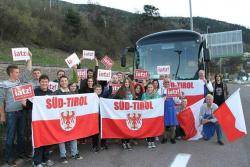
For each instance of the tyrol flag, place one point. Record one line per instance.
(131, 118)
(231, 118)
(189, 121)
(57, 119)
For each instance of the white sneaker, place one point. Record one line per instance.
(149, 145)
(50, 163)
(153, 145)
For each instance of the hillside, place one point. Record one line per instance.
(54, 33)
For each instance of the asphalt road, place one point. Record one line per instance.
(203, 153)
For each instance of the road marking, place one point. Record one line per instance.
(181, 160)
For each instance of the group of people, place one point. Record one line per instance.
(16, 115)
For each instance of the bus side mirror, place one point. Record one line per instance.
(206, 54)
(124, 54)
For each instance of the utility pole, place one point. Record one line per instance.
(191, 17)
(50, 4)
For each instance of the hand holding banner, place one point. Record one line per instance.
(88, 54)
(20, 54)
(115, 88)
(82, 73)
(107, 62)
(72, 60)
(173, 92)
(23, 92)
(141, 74)
(104, 75)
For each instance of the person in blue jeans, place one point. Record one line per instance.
(64, 90)
(11, 113)
(209, 122)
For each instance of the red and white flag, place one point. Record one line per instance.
(231, 118)
(189, 121)
(131, 119)
(193, 90)
(57, 119)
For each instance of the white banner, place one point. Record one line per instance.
(20, 54)
(53, 86)
(88, 54)
(163, 70)
(104, 75)
(72, 60)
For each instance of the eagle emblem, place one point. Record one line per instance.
(134, 121)
(67, 120)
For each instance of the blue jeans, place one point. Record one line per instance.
(218, 131)
(210, 128)
(15, 123)
(41, 155)
(73, 148)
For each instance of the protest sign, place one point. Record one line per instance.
(88, 54)
(72, 60)
(23, 92)
(20, 54)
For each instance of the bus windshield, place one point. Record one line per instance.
(161, 54)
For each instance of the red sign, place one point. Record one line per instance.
(107, 62)
(23, 92)
(82, 73)
(115, 88)
(173, 92)
(141, 74)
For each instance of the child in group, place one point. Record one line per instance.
(98, 91)
(149, 95)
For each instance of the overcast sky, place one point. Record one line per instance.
(231, 11)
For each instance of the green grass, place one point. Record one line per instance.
(53, 57)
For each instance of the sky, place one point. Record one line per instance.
(231, 11)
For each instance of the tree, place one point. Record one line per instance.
(151, 11)
(73, 22)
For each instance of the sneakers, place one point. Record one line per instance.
(129, 147)
(49, 163)
(153, 144)
(124, 146)
(149, 145)
(77, 157)
(172, 141)
(95, 149)
(39, 165)
(64, 160)
(220, 143)
(104, 147)
(164, 140)
(11, 163)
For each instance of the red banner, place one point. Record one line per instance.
(23, 92)
(115, 88)
(173, 92)
(107, 62)
(82, 73)
(141, 74)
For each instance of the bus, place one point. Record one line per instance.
(184, 51)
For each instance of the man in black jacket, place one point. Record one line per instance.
(41, 154)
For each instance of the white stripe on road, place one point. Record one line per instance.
(181, 160)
